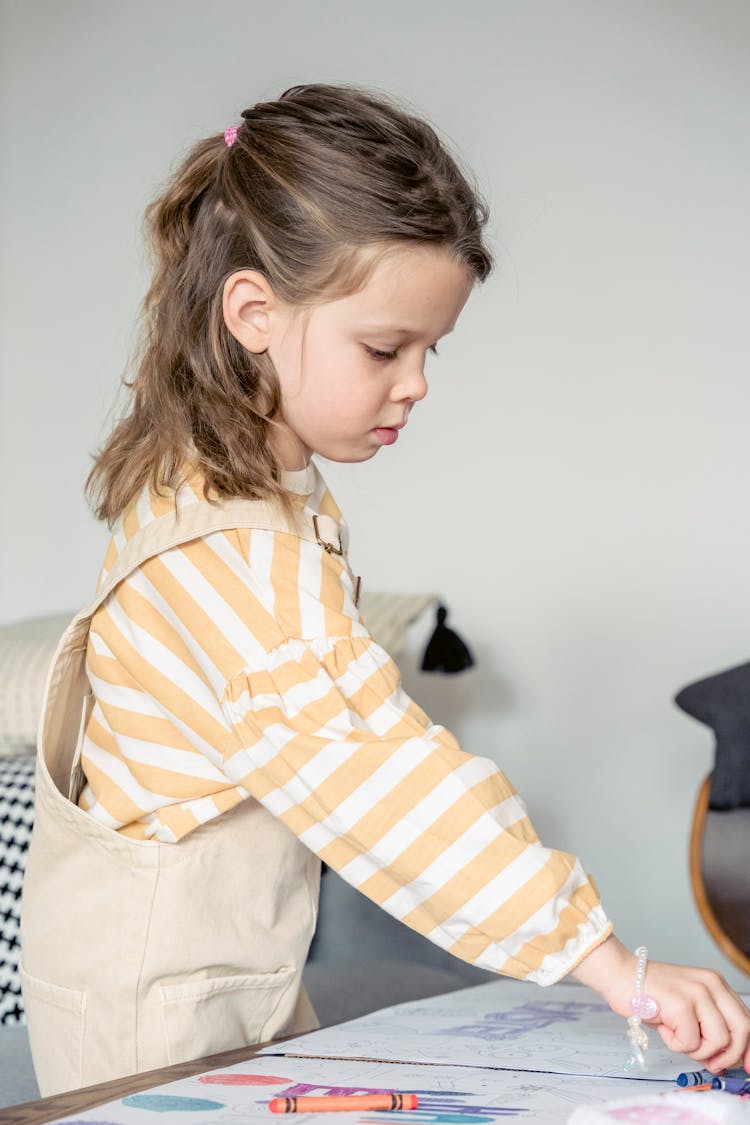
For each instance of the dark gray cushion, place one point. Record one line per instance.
(345, 991)
(722, 702)
(352, 928)
(17, 1080)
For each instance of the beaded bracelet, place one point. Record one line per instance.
(643, 1007)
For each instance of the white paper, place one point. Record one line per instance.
(499, 1050)
(447, 1095)
(564, 1029)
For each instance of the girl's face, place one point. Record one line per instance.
(352, 369)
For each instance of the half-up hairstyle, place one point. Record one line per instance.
(316, 188)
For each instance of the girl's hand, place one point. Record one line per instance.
(700, 1014)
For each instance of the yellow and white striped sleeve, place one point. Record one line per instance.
(325, 737)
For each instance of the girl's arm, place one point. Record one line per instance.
(259, 679)
(700, 1015)
(435, 836)
(325, 737)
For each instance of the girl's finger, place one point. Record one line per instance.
(715, 1032)
(680, 1029)
(694, 1025)
(738, 1047)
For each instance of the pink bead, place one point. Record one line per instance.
(230, 135)
(644, 1007)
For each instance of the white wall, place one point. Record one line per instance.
(575, 484)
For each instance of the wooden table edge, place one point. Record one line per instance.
(88, 1097)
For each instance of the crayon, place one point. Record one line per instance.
(695, 1078)
(732, 1085)
(365, 1102)
(703, 1086)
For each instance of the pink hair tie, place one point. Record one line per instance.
(230, 135)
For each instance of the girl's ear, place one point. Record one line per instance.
(249, 304)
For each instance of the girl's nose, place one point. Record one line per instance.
(412, 386)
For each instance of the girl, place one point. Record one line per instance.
(220, 720)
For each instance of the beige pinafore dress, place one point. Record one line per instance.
(135, 953)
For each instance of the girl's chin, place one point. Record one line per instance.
(351, 455)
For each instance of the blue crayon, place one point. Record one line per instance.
(695, 1078)
(732, 1085)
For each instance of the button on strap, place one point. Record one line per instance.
(327, 534)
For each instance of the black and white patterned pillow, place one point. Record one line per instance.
(16, 820)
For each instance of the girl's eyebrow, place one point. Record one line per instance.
(387, 330)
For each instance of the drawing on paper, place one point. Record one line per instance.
(447, 1095)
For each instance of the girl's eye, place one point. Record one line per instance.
(384, 357)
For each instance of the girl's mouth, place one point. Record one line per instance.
(386, 435)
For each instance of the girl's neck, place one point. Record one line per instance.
(292, 454)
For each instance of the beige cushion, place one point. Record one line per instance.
(388, 616)
(26, 650)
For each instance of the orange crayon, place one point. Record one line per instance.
(365, 1102)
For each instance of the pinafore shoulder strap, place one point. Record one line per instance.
(67, 700)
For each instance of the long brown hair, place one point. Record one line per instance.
(317, 186)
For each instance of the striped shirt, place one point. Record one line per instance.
(237, 666)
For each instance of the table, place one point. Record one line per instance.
(62, 1105)
(486, 1052)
